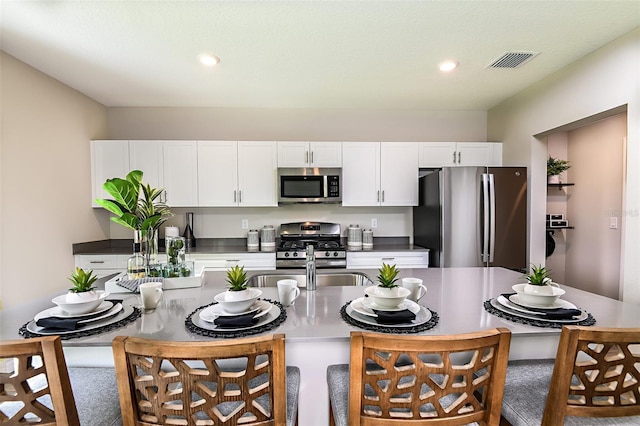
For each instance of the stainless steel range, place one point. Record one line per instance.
(323, 236)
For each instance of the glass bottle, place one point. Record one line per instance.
(136, 263)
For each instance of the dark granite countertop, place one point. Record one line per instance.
(228, 245)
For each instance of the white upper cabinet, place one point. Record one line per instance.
(234, 173)
(109, 159)
(218, 173)
(440, 154)
(380, 174)
(257, 168)
(309, 154)
(147, 156)
(180, 173)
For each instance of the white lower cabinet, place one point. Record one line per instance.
(102, 264)
(374, 260)
(224, 261)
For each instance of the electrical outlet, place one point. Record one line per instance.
(374, 222)
(245, 224)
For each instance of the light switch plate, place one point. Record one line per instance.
(613, 222)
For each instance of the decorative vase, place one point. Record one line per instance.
(545, 289)
(553, 179)
(148, 245)
(85, 296)
(231, 295)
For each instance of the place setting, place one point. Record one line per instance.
(538, 302)
(239, 311)
(391, 308)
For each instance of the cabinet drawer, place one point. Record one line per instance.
(224, 261)
(104, 261)
(376, 259)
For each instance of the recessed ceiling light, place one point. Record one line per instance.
(447, 66)
(208, 60)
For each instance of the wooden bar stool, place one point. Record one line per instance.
(595, 380)
(38, 389)
(239, 381)
(420, 380)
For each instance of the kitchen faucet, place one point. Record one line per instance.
(311, 268)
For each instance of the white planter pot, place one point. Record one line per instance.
(85, 296)
(553, 179)
(232, 296)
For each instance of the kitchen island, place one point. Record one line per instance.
(317, 335)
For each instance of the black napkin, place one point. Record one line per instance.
(394, 317)
(236, 321)
(59, 324)
(554, 314)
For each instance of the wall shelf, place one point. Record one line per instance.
(559, 185)
(560, 227)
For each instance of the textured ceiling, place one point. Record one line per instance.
(311, 54)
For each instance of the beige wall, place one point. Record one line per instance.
(45, 180)
(593, 253)
(603, 81)
(557, 204)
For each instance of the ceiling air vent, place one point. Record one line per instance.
(512, 59)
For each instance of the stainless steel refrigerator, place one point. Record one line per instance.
(473, 216)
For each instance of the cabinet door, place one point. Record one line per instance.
(361, 174)
(293, 154)
(437, 154)
(147, 157)
(474, 154)
(217, 173)
(399, 174)
(325, 154)
(109, 159)
(181, 173)
(257, 181)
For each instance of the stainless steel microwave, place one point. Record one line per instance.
(309, 185)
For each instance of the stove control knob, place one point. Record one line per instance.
(335, 254)
(286, 254)
(327, 254)
(295, 254)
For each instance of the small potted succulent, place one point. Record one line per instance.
(83, 289)
(555, 166)
(238, 286)
(387, 294)
(539, 289)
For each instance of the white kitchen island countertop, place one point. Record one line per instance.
(316, 335)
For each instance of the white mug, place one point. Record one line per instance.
(150, 293)
(288, 291)
(415, 286)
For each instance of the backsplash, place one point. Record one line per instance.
(227, 222)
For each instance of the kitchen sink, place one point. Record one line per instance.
(345, 279)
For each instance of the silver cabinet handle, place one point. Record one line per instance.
(239, 196)
(459, 162)
(378, 196)
(311, 157)
(383, 195)
(306, 157)
(454, 157)
(388, 258)
(96, 261)
(234, 196)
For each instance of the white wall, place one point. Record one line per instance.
(557, 204)
(603, 81)
(45, 178)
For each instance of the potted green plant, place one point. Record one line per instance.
(238, 286)
(83, 289)
(555, 166)
(387, 294)
(138, 207)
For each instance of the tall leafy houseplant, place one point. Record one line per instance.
(138, 207)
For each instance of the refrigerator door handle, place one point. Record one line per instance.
(485, 218)
(492, 217)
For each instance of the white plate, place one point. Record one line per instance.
(209, 314)
(124, 312)
(361, 306)
(270, 316)
(506, 303)
(57, 312)
(422, 316)
(494, 302)
(558, 304)
(406, 304)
